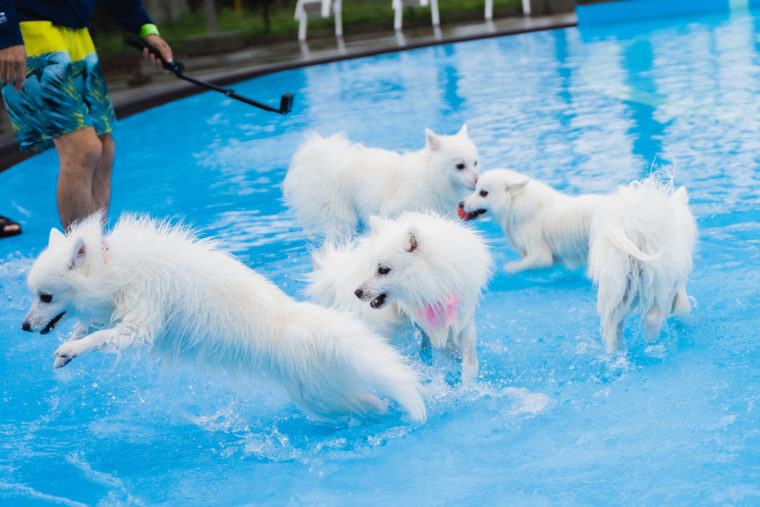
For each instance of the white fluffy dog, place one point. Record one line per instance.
(418, 268)
(543, 225)
(640, 256)
(335, 185)
(638, 241)
(151, 284)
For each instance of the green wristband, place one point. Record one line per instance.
(148, 29)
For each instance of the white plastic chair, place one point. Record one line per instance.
(398, 8)
(306, 9)
(489, 8)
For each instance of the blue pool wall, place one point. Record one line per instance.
(632, 10)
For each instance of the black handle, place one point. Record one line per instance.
(140, 44)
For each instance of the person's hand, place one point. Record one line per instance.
(163, 48)
(13, 66)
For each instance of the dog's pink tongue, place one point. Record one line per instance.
(463, 214)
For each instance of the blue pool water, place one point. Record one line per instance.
(551, 420)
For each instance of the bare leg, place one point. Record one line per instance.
(101, 180)
(78, 152)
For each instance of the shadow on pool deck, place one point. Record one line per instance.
(224, 69)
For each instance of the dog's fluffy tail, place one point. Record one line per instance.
(618, 238)
(344, 366)
(638, 211)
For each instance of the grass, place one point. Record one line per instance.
(358, 16)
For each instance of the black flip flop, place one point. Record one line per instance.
(5, 222)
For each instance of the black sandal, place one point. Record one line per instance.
(4, 223)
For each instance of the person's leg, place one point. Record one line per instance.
(101, 180)
(79, 152)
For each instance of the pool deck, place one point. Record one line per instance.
(225, 69)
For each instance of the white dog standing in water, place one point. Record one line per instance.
(417, 268)
(543, 225)
(335, 185)
(150, 284)
(640, 256)
(638, 241)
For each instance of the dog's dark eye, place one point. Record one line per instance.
(383, 270)
(46, 298)
(475, 164)
(483, 193)
(460, 166)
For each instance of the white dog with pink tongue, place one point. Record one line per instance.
(418, 268)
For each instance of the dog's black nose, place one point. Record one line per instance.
(461, 204)
(25, 326)
(358, 293)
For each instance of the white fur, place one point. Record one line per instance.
(543, 225)
(446, 259)
(338, 272)
(640, 256)
(150, 284)
(335, 185)
(638, 241)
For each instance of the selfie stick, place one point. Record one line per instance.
(286, 101)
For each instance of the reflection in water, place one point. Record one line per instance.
(646, 131)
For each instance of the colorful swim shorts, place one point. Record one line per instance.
(64, 89)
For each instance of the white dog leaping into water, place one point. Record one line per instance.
(150, 284)
(543, 225)
(640, 255)
(335, 185)
(418, 268)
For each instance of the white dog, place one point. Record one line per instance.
(640, 256)
(335, 185)
(638, 242)
(150, 284)
(421, 269)
(543, 225)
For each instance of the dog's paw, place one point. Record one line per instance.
(60, 362)
(66, 352)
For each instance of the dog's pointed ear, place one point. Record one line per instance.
(517, 186)
(432, 140)
(78, 255)
(412, 242)
(56, 237)
(463, 131)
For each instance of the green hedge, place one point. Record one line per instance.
(358, 16)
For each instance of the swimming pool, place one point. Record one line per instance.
(551, 419)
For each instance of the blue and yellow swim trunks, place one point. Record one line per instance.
(64, 89)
